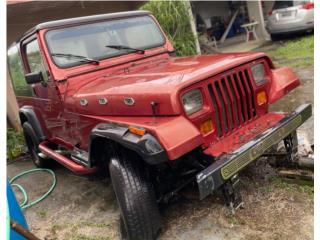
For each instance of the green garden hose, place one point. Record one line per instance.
(25, 204)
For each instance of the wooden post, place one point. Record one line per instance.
(193, 26)
(255, 12)
(22, 231)
(12, 106)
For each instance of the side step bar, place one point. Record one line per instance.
(67, 162)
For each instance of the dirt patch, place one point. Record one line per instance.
(82, 208)
(274, 209)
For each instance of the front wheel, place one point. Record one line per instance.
(140, 218)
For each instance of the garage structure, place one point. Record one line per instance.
(223, 19)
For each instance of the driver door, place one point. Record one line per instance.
(46, 101)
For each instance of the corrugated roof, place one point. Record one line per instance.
(9, 2)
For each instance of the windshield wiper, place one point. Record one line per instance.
(82, 58)
(123, 47)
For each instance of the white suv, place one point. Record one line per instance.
(290, 16)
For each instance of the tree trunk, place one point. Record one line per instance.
(12, 106)
(193, 26)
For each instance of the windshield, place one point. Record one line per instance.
(92, 40)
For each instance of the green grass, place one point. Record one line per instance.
(92, 224)
(56, 228)
(75, 227)
(232, 219)
(290, 186)
(15, 144)
(295, 53)
(84, 237)
(42, 214)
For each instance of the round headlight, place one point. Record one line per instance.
(192, 101)
(258, 74)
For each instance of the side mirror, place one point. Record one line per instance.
(34, 77)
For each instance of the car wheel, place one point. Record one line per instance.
(275, 37)
(140, 217)
(122, 229)
(32, 144)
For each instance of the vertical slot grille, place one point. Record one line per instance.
(217, 114)
(233, 100)
(247, 77)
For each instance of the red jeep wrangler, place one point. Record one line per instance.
(109, 92)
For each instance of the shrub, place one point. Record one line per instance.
(15, 144)
(174, 20)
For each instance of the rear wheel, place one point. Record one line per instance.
(140, 218)
(32, 144)
(275, 37)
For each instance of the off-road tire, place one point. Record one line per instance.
(33, 145)
(275, 37)
(140, 217)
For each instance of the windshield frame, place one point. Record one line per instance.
(120, 53)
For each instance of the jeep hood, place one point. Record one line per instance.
(158, 81)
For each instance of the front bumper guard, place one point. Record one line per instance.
(226, 166)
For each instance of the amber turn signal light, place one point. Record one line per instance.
(261, 98)
(137, 131)
(206, 127)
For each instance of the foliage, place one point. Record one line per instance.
(291, 186)
(296, 53)
(15, 144)
(17, 73)
(174, 20)
(84, 237)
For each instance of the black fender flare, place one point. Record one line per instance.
(27, 113)
(146, 146)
